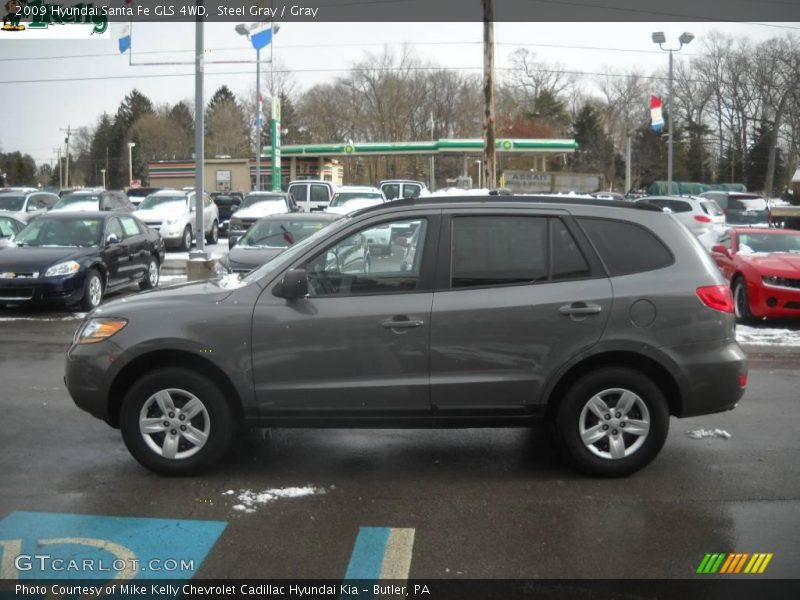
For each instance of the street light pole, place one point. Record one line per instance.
(258, 119)
(103, 173)
(660, 39)
(130, 163)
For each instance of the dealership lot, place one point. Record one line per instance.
(469, 503)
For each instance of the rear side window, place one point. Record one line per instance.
(568, 261)
(299, 193)
(391, 191)
(319, 193)
(495, 250)
(678, 206)
(411, 190)
(711, 208)
(625, 247)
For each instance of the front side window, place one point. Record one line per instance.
(391, 191)
(114, 228)
(7, 228)
(498, 250)
(411, 190)
(347, 268)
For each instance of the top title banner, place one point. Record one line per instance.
(108, 11)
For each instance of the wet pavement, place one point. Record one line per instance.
(481, 503)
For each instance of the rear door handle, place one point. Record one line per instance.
(402, 323)
(580, 308)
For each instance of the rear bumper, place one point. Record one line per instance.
(709, 376)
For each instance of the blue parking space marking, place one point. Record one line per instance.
(37, 545)
(367, 557)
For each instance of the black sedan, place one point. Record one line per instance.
(76, 258)
(9, 227)
(270, 236)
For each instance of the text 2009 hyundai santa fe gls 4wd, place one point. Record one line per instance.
(602, 317)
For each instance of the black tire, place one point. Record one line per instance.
(569, 417)
(213, 235)
(741, 303)
(90, 299)
(147, 283)
(186, 240)
(220, 421)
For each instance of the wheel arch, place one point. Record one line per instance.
(617, 358)
(169, 358)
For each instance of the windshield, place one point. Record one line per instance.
(343, 198)
(71, 233)
(75, 198)
(279, 234)
(290, 254)
(279, 201)
(769, 242)
(13, 203)
(154, 201)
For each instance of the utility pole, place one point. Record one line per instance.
(199, 147)
(68, 130)
(628, 162)
(432, 165)
(489, 150)
(60, 169)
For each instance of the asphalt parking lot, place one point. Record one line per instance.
(465, 503)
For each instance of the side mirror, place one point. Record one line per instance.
(112, 239)
(721, 249)
(233, 240)
(293, 286)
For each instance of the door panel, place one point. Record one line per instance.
(495, 347)
(333, 353)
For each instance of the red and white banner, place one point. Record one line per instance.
(657, 119)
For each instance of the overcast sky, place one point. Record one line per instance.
(35, 112)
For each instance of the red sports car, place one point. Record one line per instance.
(763, 269)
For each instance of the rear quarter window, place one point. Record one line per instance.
(625, 247)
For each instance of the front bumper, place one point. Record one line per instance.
(42, 290)
(773, 301)
(87, 376)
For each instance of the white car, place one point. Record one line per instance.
(172, 214)
(702, 216)
(26, 205)
(350, 198)
(257, 205)
(92, 200)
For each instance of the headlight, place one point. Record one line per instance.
(98, 330)
(236, 224)
(169, 222)
(61, 269)
(779, 281)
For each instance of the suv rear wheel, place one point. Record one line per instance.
(176, 422)
(612, 422)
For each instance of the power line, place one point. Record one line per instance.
(340, 70)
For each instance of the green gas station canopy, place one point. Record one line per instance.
(430, 147)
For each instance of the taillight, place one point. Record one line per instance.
(718, 297)
(742, 380)
(702, 218)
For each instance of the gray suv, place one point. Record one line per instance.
(602, 317)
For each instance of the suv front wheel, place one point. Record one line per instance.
(176, 422)
(612, 422)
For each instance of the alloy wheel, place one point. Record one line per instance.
(614, 423)
(174, 423)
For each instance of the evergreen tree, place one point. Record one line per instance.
(758, 159)
(595, 147)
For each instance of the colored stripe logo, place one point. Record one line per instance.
(381, 553)
(734, 563)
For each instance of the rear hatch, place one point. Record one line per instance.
(747, 209)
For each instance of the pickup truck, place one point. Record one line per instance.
(785, 216)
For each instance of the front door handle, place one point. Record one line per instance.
(580, 309)
(402, 323)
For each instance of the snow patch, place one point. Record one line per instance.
(249, 501)
(699, 434)
(767, 336)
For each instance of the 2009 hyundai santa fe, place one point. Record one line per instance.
(603, 317)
